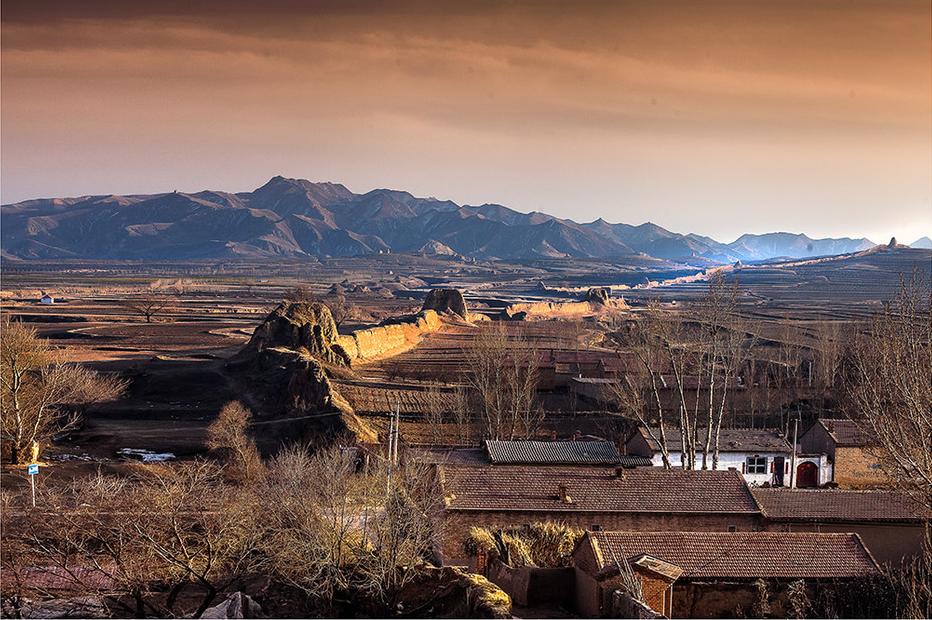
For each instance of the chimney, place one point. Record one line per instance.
(564, 497)
(620, 472)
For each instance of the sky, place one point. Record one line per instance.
(714, 117)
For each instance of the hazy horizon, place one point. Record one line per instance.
(718, 119)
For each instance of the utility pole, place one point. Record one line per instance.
(793, 456)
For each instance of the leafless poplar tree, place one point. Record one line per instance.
(39, 393)
(889, 387)
(502, 376)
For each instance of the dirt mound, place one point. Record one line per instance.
(444, 300)
(598, 295)
(299, 326)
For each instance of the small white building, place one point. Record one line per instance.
(763, 456)
(46, 299)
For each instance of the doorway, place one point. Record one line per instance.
(807, 475)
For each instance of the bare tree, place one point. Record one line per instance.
(449, 416)
(301, 293)
(39, 393)
(639, 393)
(502, 376)
(314, 505)
(401, 535)
(889, 388)
(229, 433)
(163, 544)
(148, 304)
(340, 308)
(694, 358)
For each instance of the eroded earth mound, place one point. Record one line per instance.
(446, 300)
(300, 326)
(285, 363)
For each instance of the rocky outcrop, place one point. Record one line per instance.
(284, 365)
(446, 300)
(299, 326)
(237, 605)
(390, 338)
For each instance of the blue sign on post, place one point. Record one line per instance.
(33, 469)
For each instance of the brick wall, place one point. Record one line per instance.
(456, 524)
(857, 468)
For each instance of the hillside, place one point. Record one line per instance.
(293, 218)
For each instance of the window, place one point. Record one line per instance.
(757, 464)
(596, 527)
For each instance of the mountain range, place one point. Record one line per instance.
(298, 218)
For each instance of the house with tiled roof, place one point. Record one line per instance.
(713, 574)
(891, 524)
(594, 498)
(851, 450)
(763, 456)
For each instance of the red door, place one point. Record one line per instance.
(807, 475)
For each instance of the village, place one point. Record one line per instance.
(598, 457)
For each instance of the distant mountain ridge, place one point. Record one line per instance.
(296, 217)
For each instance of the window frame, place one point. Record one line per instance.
(756, 464)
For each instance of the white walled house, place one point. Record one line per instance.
(763, 456)
(46, 299)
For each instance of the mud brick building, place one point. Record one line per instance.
(850, 450)
(891, 524)
(592, 498)
(712, 574)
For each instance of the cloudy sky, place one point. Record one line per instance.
(711, 117)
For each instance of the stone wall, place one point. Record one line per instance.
(456, 524)
(390, 338)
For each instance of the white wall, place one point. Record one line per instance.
(736, 460)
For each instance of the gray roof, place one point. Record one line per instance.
(552, 452)
(730, 440)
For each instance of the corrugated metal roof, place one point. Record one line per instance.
(552, 452)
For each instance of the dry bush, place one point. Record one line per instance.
(329, 528)
(546, 544)
(164, 543)
(39, 394)
(229, 434)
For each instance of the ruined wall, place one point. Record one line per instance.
(390, 338)
(563, 309)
